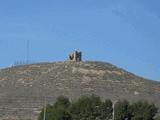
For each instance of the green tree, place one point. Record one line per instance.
(91, 108)
(106, 110)
(86, 108)
(58, 111)
(142, 110)
(122, 110)
(63, 102)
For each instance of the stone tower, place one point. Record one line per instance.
(75, 56)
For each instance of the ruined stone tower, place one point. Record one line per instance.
(75, 56)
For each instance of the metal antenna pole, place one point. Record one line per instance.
(27, 61)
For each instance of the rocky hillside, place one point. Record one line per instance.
(24, 89)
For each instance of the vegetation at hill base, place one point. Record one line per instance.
(157, 117)
(93, 108)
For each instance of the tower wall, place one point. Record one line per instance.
(75, 56)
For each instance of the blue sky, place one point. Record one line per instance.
(122, 32)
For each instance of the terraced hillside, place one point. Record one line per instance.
(24, 89)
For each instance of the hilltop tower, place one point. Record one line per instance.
(75, 56)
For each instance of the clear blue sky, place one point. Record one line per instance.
(122, 32)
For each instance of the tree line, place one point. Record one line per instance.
(93, 108)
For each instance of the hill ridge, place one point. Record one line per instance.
(27, 86)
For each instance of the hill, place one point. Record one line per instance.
(24, 89)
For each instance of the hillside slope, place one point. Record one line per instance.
(23, 89)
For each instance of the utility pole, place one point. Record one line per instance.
(113, 110)
(113, 114)
(44, 113)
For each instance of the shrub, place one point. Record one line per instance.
(122, 110)
(142, 110)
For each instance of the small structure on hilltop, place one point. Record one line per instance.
(75, 56)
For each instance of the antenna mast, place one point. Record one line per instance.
(27, 57)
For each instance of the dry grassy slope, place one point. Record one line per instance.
(22, 88)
